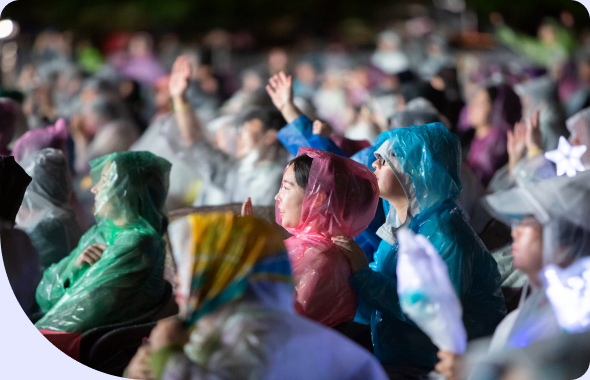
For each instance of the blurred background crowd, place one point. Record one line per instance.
(225, 77)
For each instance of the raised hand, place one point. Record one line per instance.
(280, 89)
(91, 254)
(181, 71)
(247, 209)
(322, 128)
(516, 143)
(533, 139)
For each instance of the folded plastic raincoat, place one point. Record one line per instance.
(340, 200)
(239, 306)
(426, 160)
(128, 279)
(46, 215)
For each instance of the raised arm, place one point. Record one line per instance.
(189, 125)
(280, 89)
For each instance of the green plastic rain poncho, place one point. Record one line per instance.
(426, 160)
(127, 281)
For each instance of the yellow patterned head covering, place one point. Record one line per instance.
(221, 253)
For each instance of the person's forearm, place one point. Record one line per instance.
(290, 112)
(189, 126)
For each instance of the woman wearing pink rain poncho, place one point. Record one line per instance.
(323, 196)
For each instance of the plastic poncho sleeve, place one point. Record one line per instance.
(123, 284)
(299, 133)
(211, 163)
(376, 291)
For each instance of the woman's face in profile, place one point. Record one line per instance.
(290, 200)
(108, 175)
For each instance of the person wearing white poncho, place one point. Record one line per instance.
(551, 226)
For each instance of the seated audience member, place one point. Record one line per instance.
(237, 319)
(418, 174)
(116, 272)
(323, 196)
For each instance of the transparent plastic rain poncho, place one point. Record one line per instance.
(562, 206)
(541, 94)
(54, 136)
(426, 293)
(239, 309)
(340, 200)
(426, 160)
(579, 127)
(128, 279)
(46, 215)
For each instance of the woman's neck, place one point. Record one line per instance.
(483, 130)
(401, 207)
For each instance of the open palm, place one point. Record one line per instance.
(280, 89)
(181, 72)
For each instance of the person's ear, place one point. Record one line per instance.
(318, 199)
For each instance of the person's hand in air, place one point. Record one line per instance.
(247, 209)
(449, 364)
(516, 143)
(91, 254)
(181, 71)
(353, 252)
(321, 128)
(533, 138)
(280, 90)
(140, 366)
(169, 331)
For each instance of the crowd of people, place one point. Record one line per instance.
(480, 153)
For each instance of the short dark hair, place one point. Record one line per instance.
(301, 168)
(271, 118)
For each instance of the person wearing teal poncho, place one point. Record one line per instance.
(418, 170)
(116, 272)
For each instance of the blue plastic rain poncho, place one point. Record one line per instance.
(127, 280)
(46, 215)
(426, 160)
(299, 134)
(239, 305)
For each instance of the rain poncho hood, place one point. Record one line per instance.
(128, 279)
(541, 94)
(340, 199)
(426, 160)
(54, 136)
(46, 214)
(240, 310)
(561, 205)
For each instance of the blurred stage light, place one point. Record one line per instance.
(6, 28)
